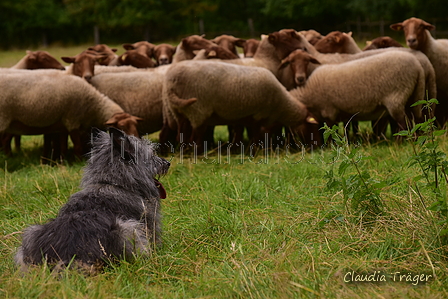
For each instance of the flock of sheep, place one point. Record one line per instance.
(296, 80)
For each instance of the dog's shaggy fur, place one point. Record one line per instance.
(114, 216)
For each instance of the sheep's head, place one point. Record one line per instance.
(135, 59)
(333, 42)
(228, 42)
(285, 41)
(164, 53)
(414, 32)
(42, 60)
(298, 60)
(83, 64)
(125, 122)
(105, 50)
(143, 47)
(249, 46)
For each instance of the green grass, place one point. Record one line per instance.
(240, 230)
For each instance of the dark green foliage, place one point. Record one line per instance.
(32, 22)
(431, 161)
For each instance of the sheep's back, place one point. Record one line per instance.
(230, 91)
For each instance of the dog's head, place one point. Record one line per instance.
(127, 161)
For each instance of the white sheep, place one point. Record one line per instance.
(138, 93)
(217, 93)
(37, 103)
(365, 88)
(335, 58)
(419, 38)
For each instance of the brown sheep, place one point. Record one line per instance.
(381, 43)
(163, 54)
(104, 49)
(337, 42)
(229, 42)
(418, 37)
(34, 60)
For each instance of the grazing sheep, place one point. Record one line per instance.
(381, 43)
(38, 60)
(208, 92)
(138, 93)
(104, 49)
(419, 38)
(163, 54)
(365, 89)
(38, 103)
(337, 42)
(335, 58)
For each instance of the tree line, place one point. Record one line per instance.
(26, 23)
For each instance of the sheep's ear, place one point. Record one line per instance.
(121, 143)
(271, 38)
(314, 60)
(368, 43)
(68, 59)
(349, 33)
(285, 63)
(397, 26)
(128, 47)
(240, 42)
(428, 26)
(311, 119)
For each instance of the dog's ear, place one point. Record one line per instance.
(122, 143)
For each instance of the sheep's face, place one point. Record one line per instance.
(164, 53)
(414, 32)
(84, 63)
(298, 61)
(250, 46)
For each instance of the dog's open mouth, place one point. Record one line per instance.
(162, 191)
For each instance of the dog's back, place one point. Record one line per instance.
(115, 215)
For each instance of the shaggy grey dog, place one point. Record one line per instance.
(114, 216)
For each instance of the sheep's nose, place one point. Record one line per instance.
(411, 41)
(163, 60)
(300, 80)
(88, 78)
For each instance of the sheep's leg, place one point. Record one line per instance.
(75, 136)
(6, 143)
(197, 138)
(17, 142)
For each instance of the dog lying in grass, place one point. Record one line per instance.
(115, 216)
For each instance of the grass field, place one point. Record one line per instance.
(248, 227)
(252, 226)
